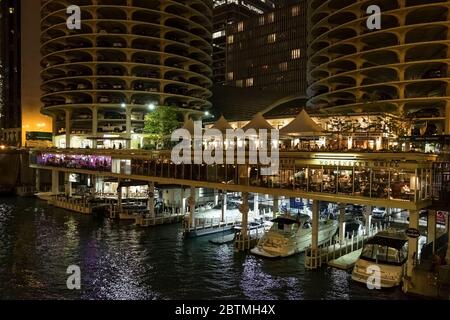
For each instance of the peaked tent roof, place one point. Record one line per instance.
(189, 126)
(222, 124)
(258, 122)
(302, 125)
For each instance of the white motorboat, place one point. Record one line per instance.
(386, 252)
(289, 236)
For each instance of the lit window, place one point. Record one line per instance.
(240, 26)
(283, 66)
(295, 11)
(230, 75)
(271, 38)
(239, 83)
(270, 17)
(261, 20)
(230, 39)
(265, 67)
(11, 10)
(295, 53)
(249, 82)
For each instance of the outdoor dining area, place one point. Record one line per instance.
(305, 134)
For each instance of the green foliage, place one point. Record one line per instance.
(160, 123)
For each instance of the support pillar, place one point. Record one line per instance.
(368, 218)
(315, 226)
(447, 118)
(119, 196)
(68, 128)
(341, 223)
(224, 205)
(447, 257)
(55, 182)
(67, 185)
(94, 127)
(191, 202)
(216, 197)
(242, 240)
(128, 123)
(38, 180)
(151, 199)
(256, 204)
(431, 228)
(412, 249)
(275, 206)
(244, 210)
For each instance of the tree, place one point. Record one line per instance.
(160, 123)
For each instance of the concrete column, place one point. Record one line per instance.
(275, 206)
(68, 128)
(55, 181)
(128, 133)
(216, 197)
(151, 199)
(191, 202)
(315, 225)
(412, 242)
(431, 228)
(67, 185)
(341, 223)
(447, 257)
(256, 204)
(244, 211)
(224, 205)
(183, 205)
(38, 180)
(119, 196)
(368, 217)
(447, 119)
(94, 126)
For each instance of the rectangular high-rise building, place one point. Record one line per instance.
(10, 72)
(269, 51)
(227, 12)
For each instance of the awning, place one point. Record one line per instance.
(302, 125)
(257, 123)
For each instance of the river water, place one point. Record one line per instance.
(121, 261)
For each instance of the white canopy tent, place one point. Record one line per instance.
(189, 126)
(302, 125)
(222, 125)
(257, 123)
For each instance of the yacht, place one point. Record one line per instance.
(289, 236)
(386, 250)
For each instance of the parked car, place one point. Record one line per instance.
(379, 213)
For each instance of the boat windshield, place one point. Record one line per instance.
(383, 254)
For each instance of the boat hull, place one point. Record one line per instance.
(293, 246)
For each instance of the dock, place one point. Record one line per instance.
(347, 261)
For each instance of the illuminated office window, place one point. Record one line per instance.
(283, 66)
(295, 11)
(230, 75)
(270, 17)
(230, 39)
(240, 26)
(249, 82)
(296, 53)
(271, 38)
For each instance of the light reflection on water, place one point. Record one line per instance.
(120, 261)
